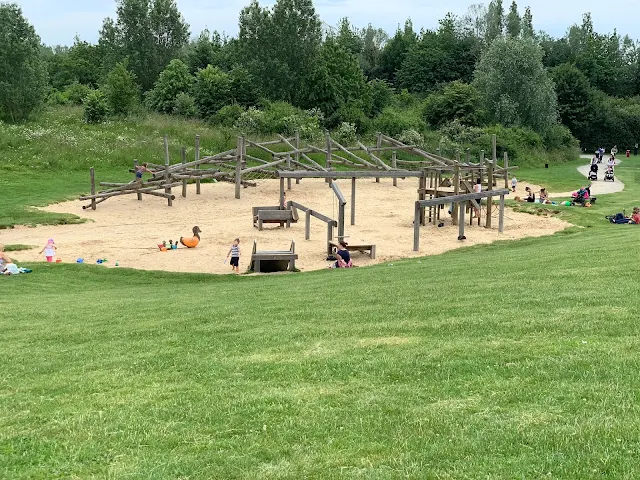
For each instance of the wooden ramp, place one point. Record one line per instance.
(269, 261)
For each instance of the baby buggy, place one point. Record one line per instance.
(593, 173)
(608, 175)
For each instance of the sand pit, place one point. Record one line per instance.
(127, 231)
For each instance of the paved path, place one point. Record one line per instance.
(598, 187)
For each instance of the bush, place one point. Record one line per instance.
(228, 115)
(185, 105)
(251, 121)
(96, 108)
(173, 80)
(411, 137)
(456, 101)
(393, 122)
(346, 133)
(212, 91)
(558, 137)
(382, 95)
(351, 114)
(121, 90)
(76, 93)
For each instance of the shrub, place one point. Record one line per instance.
(251, 121)
(346, 132)
(228, 115)
(393, 121)
(212, 91)
(185, 105)
(456, 101)
(558, 136)
(121, 90)
(411, 137)
(76, 93)
(382, 95)
(96, 108)
(173, 80)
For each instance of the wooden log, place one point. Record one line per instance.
(254, 159)
(352, 173)
(494, 148)
(329, 239)
(461, 221)
(501, 216)
(416, 226)
(394, 165)
(327, 140)
(92, 173)
(506, 170)
(239, 152)
(353, 201)
(166, 170)
(307, 225)
(260, 146)
(197, 159)
(183, 154)
(282, 193)
(297, 148)
(456, 191)
(489, 199)
(262, 167)
(94, 202)
(288, 164)
(353, 155)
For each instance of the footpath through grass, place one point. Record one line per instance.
(513, 360)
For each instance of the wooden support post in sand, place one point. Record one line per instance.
(378, 147)
(353, 200)
(297, 154)
(489, 188)
(307, 225)
(416, 227)
(456, 191)
(327, 141)
(506, 170)
(183, 154)
(461, 206)
(422, 186)
(288, 168)
(135, 164)
(92, 174)
(329, 239)
(494, 147)
(239, 152)
(282, 193)
(394, 165)
(197, 158)
(167, 189)
(501, 217)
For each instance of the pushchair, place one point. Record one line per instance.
(583, 197)
(608, 175)
(593, 173)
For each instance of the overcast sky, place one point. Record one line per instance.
(58, 21)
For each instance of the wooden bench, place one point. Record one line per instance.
(366, 249)
(263, 215)
(267, 261)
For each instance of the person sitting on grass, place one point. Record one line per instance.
(4, 259)
(531, 197)
(343, 256)
(635, 216)
(544, 196)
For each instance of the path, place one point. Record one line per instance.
(598, 187)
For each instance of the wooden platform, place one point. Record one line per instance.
(262, 215)
(268, 261)
(366, 248)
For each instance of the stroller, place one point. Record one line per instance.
(608, 175)
(593, 174)
(583, 197)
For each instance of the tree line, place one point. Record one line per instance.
(486, 69)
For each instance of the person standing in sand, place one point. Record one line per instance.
(234, 253)
(49, 250)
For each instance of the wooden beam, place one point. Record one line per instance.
(461, 198)
(416, 226)
(394, 165)
(239, 152)
(166, 171)
(183, 154)
(501, 217)
(197, 159)
(353, 201)
(352, 174)
(92, 174)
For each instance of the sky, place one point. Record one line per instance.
(59, 21)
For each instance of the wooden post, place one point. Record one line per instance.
(456, 191)
(468, 155)
(422, 186)
(239, 151)
(489, 187)
(394, 164)
(506, 170)
(501, 217)
(183, 154)
(92, 174)
(327, 142)
(329, 239)
(341, 221)
(135, 164)
(353, 201)
(297, 154)
(461, 220)
(416, 227)
(378, 147)
(288, 168)
(282, 193)
(494, 147)
(307, 225)
(198, 166)
(167, 188)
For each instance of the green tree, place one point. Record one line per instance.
(204, 51)
(395, 51)
(349, 38)
(575, 100)
(244, 90)
(495, 21)
(120, 90)
(96, 109)
(280, 46)
(381, 95)
(173, 80)
(148, 32)
(514, 86)
(456, 101)
(527, 24)
(439, 57)
(474, 21)
(513, 23)
(23, 72)
(211, 91)
(373, 41)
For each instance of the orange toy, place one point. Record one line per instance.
(192, 242)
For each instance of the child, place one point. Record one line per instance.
(49, 250)
(140, 169)
(234, 252)
(477, 188)
(636, 215)
(4, 259)
(514, 182)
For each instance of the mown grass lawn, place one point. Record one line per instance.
(512, 360)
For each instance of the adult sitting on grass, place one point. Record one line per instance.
(531, 197)
(544, 196)
(635, 216)
(4, 259)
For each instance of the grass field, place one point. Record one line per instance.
(512, 360)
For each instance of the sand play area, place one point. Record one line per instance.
(127, 231)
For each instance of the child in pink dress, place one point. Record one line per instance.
(49, 250)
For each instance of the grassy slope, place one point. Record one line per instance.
(422, 369)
